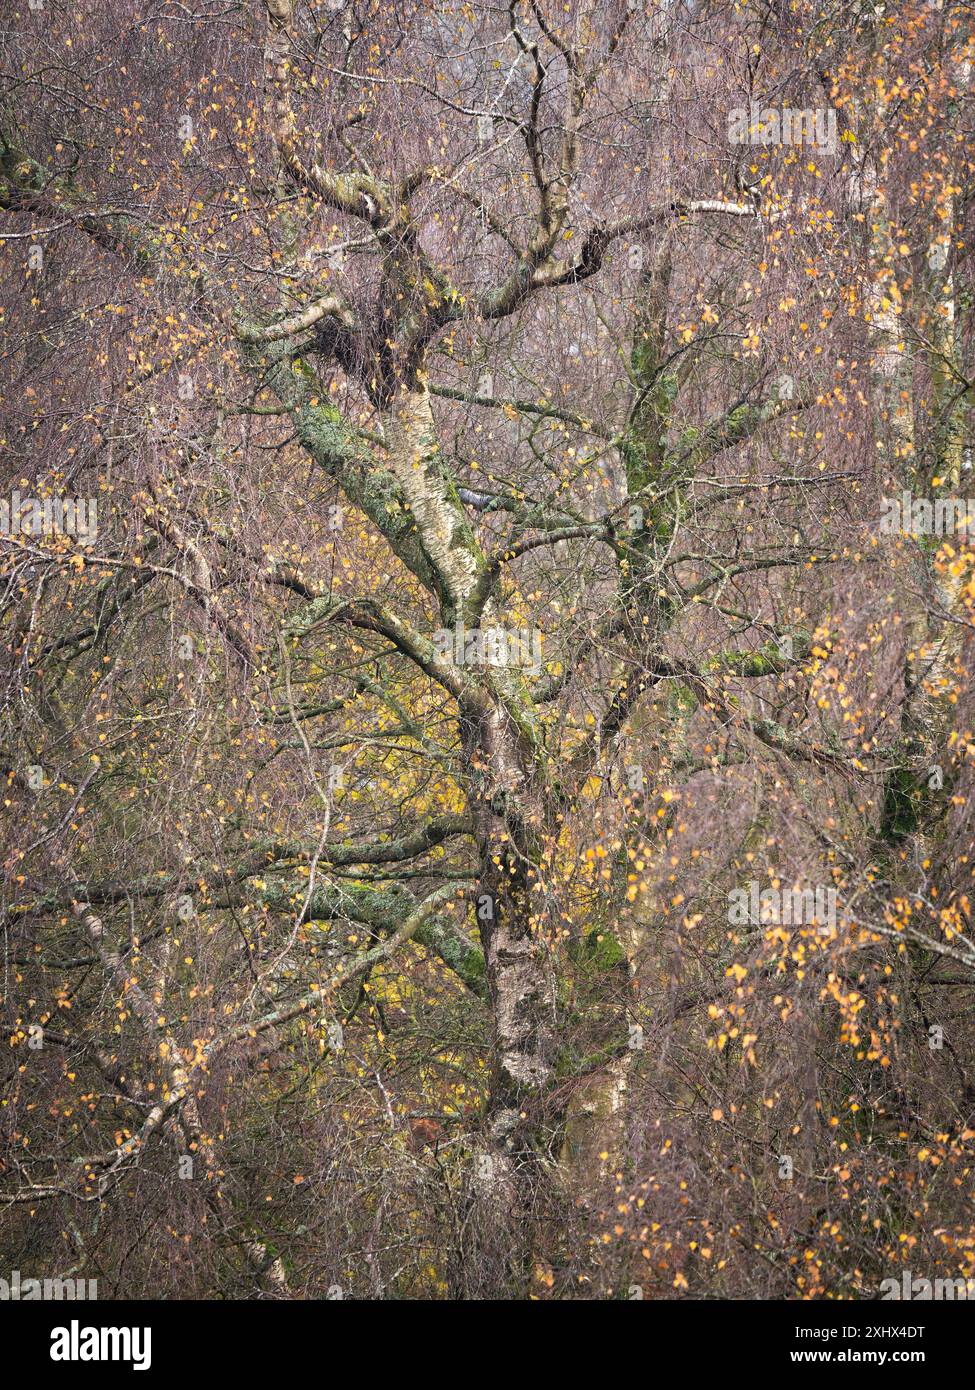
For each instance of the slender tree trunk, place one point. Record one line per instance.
(507, 823)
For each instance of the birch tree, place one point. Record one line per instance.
(489, 416)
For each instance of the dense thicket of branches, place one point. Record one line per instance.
(337, 956)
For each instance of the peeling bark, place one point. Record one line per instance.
(428, 490)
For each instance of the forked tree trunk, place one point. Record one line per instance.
(499, 772)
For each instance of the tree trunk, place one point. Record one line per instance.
(506, 822)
